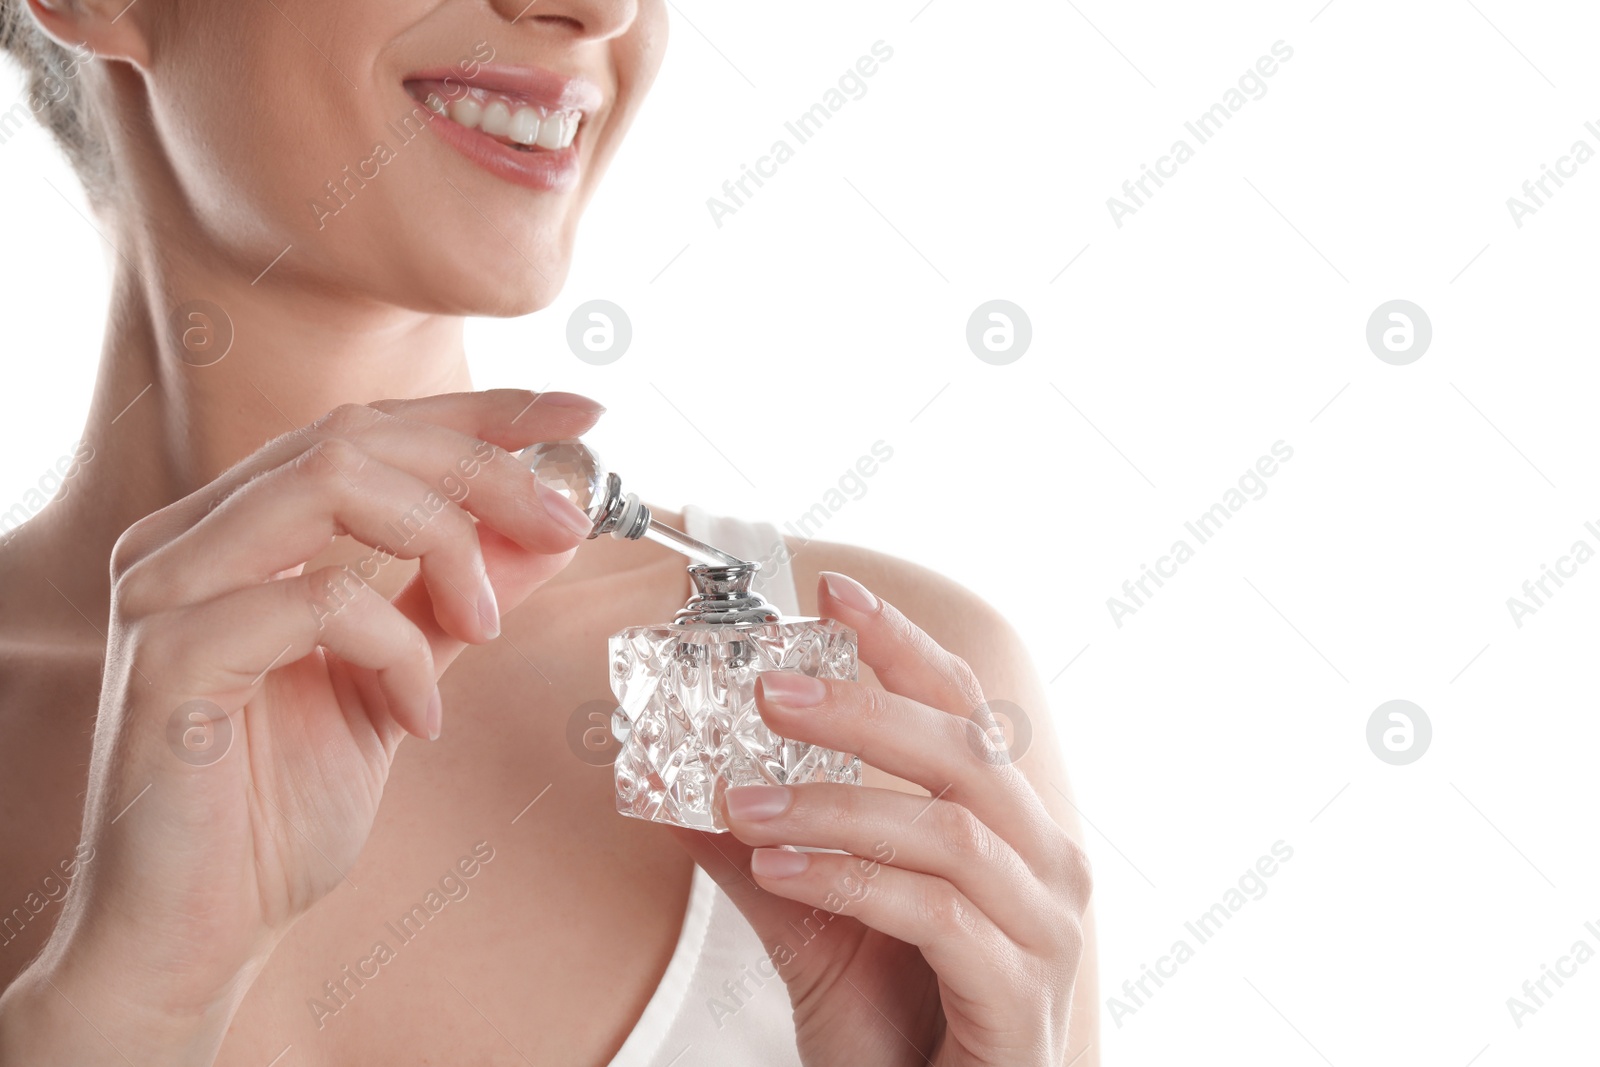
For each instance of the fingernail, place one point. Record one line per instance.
(849, 592)
(778, 862)
(792, 690)
(563, 510)
(571, 400)
(435, 714)
(757, 802)
(488, 609)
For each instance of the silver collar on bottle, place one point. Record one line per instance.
(723, 597)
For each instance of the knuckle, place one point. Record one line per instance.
(420, 652)
(945, 912)
(964, 678)
(428, 523)
(129, 549)
(1069, 938)
(834, 809)
(132, 593)
(960, 832)
(156, 648)
(517, 400)
(1081, 874)
(1067, 866)
(346, 419)
(960, 669)
(458, 523)
(486, 455)
(872, 712)
(329, 590)
(330, 462)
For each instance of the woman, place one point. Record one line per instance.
(343, 183)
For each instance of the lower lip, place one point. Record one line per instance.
(546, 169)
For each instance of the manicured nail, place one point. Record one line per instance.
(849, 592)
(488, 609)
(563, 510)
(778, 862)
(571, 400)
(757, 802)
(435, 714)
(792, 690)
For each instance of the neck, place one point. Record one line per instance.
(168, 415)
(166, 420)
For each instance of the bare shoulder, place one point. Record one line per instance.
(938, 604)
(968, 626)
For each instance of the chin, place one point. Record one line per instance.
(509, 303)
(492, 293)
(516, 272)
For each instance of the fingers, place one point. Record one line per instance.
(940, 752)
(510, 418)
(934, 837)
(936, 695)
(959, 942)
(290, 514)
(514, 574)
(905, 659)
(486, 480)
(434, 438)
(227, 645)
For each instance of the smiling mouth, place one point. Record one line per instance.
(506, 117)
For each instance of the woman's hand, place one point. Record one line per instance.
(250, 711)
(951, 932)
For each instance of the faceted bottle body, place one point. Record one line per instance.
(687, 717)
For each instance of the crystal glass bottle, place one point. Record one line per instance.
(686, 717)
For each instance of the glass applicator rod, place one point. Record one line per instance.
(573, 469)
(699, 551)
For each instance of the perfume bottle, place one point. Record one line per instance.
(686, 715)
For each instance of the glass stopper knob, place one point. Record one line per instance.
(571, 468)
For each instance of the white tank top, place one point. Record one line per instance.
(715, 1007)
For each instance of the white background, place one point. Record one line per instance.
(1227, 314)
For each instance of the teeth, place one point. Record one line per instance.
(550, 132)
(466, 112)
(505, 117)
(524, 126)
(496, 119)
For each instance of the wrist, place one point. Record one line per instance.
(73, 1005)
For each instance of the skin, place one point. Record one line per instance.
(188, 558)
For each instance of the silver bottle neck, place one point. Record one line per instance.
(723, 597)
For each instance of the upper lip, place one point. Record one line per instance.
(545, 88)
